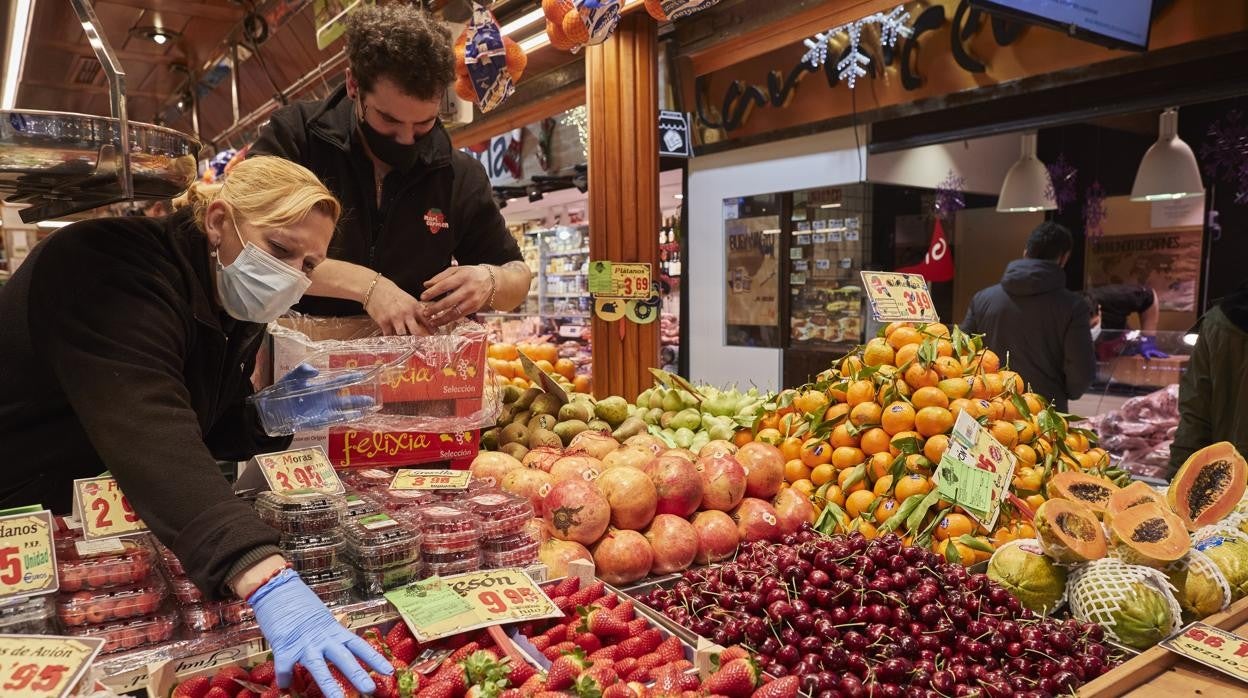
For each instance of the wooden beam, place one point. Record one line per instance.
(93, 89)
(82, 49)
(202, 10)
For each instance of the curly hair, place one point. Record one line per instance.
(403, 44)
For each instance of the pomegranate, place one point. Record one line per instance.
(575, 510)
(680, 453)
(719, 447)
(723, 482)
(631, 457)
(632, 496)
(674, 541)
(593, 443)
(576, 467)
(717, 536)
(529, 483)
(556, 554)
(542, 458)
(764, 469)
(792, 510)
(756, 520)
(491, 466)
(678, 484)
(536, 528)
(622, 557)
(647, 441)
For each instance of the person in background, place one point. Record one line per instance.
(412, 202)
(1211, 405)
(1034, 323)
(127, 347)
(1117, 302)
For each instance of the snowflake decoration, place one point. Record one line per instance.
(1062, 179)
(949, 197)
(1094, 211)
(1225, 153)
(853, 65)
(579, 117)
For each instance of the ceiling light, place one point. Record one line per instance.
(535, 42)
(53, 224)
(1168, 170)
(1190, 339)
(678, 197)
(524, 21)
(830, 206)
(535, 194)
(16, 53)
(1027, 187)
(157, 35)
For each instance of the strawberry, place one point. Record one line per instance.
(557, 633)
(246, 693)
(638, 626)
(586, 687)
(520, 673)
(667, 680)
(641, 676)
(527, 629)
(588, 642)
(564, 603)
(734, 652)
(565, 669)
(405, 650)
(671, 650)
(689, 681)
(786, 687)
(736, 679)
(588, 595)
(272, 692)
(540, 643)
(398, 633)
(619, 690)
(194, 688)
(218, 692)
(550, 694)
(692, 694)
(603, 675)
(387, 686)
(568, 585)
(625, 666)
(225, 679)
(535, 684)
(626, 611)
(263, 673)
(650, 661)
(440, 689)
(344, 685)
(608, 653)
(511, 693)
(555, 651)
(609, 602)
(600, 622)
(462, 653)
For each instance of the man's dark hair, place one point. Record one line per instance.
(403, 44)
(1049, 241)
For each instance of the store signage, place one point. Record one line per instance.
(301, 469)
(674, 135)
(44, 666)
(976, 470)
(103, 509)
(898, 297)
(439, 607)
(539, 377)
(1213, 647)
(618, 280)
(411, 479)
(27, 555)
(502, 157)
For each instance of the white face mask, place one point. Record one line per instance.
(1096, 331)
(258, 287)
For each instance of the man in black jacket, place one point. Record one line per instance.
(1034, 322)
(411, 201)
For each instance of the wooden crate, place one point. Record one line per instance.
(1160, 672)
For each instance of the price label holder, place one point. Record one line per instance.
(27, 555)
(899, 297)
(103, 509)
(538, 376)
(1213, 647)
(300, 469)
(413, 479)
(619, 280)
(976, 470)
(44, 666)
(439, 607)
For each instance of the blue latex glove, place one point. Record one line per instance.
(301, 629)
(1148, 349)
(327, 405)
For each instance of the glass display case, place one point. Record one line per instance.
(825, 255)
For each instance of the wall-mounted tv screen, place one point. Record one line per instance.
(1114, 23)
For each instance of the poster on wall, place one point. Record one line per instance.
(1168, 262)
(753, 271)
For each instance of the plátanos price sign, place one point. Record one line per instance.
(27, 555)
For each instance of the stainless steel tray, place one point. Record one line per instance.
(62, 163)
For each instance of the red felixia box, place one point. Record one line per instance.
(443, 367)
(352, 447)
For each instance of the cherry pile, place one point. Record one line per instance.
(854, 617)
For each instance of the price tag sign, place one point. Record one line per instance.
(302, 469)
(618, 280)
(485, 598)
(44, 666)
(1213, 647)
(103, 509)
(975, 471)
(899, 297)
(27, 555)
(412, 479)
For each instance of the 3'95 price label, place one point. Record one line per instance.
(412, 479)
(27, 555)
(1213, 647)
(302, 469)
(44, 666)
(103, 509)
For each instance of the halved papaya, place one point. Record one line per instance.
(1208, 486)
(1069, 531)
(1150, 534)
(1091, 491)
(1132, 495)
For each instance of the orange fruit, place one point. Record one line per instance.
(1026, 454)
(897, 417)
(770, 436)
(935, 447)
(795, 470)
(875, 441)
(944, 349)
(847, 457)
(865, 413)
(771, 420)
(929, 397)
(857, 502)
(1008, 411)
(822, 474)
(986, 361)
(791, 448)
(860, 392)
(816, 452)
(1034, 501)
(1026, 431)
(882, 485)
(911, 484)
(918, 463)
(1026, 530)
(843, 478)
(885, 509)
(892, 448)
(878, 352)
(546, 366)
(850, 366)
(879, 465)
(811, 402)
(833, 494)
(1035, 403)
(520, 382)
(892, 391)
(954, 525)
(996, 409)
(836, 412)
(581, 384)
(805, 486)
(894, 326)
(936, 329)
(1003, 535)
(902, 336)
(931, 421)
(1077, 442)
(918, 377)
(1012, 382)
(906, 354)
(742, 437)
(841, 437)
(791, 422)
(1004, 432)
(566, 368)
(948, 367)
(500, 381)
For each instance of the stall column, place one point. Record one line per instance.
(621, 80)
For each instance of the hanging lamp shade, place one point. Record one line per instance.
(1168, 170)
(1027, 187)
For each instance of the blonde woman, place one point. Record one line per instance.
(127, 345)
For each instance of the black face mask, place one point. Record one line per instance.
(397, 155)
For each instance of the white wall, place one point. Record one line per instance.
(983, 163)
(821, 160)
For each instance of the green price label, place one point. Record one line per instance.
(600, 277)
(429, 605)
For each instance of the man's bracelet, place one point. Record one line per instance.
(489, 305)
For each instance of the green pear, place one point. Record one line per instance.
(612, 410)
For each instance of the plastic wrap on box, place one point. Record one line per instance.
(126, 635)
(301, 512)
(313, 551)
(103, 564)
(379, 541)
(283, 407)
(373, 583)
(30, 616)
(88, 607)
